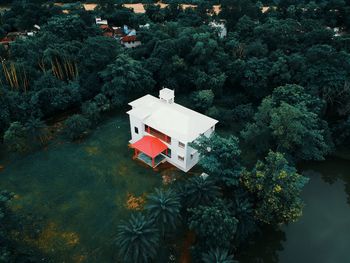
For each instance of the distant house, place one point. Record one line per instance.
(126, 35)
(107, 31)
(161, 130)
(220, 27)
(99, 21)
(130, 41)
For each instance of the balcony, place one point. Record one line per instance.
(158, 134)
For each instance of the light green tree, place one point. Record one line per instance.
(277, 187)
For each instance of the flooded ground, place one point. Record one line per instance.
(81, 191)
(322, 234)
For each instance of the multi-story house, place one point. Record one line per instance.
(161, 130)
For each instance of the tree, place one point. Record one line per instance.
(277, 187)
(218, 255)
(125, 79)
(137, 239)
(36, 129)
(232, 11)
(288, 122)
(16, 137)
(202, 99)
(220, 157)
(199, 190)
(214, 224)
(91, 111)
(76, 126)
(164, 206)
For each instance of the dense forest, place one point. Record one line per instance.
(279, 81)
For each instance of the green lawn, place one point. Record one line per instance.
(80, 191)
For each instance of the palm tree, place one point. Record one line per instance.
(164, 206)
(200, 190)
(137, 239)
(218, 255)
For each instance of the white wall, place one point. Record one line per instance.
(136, 123)
(176, 150)
(132, 44)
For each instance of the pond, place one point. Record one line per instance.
(322, 234)
(81, 191)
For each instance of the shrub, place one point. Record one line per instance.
(76, 126)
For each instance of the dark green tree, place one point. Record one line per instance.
(287, 123)
(164, 206)
(220, 157)
(199, 190)
(137, 239)
(218, 255)
(125, 79)
(214, 224)
(76, 126)
(15, 138)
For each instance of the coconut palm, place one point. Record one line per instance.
(137, 239)
(200, 190)
(164, 206)
(218, 255)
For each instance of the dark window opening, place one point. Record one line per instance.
(136, 130)
(158, 134)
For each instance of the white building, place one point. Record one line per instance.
(99, 21)
(220, 27)
(161, 130)
(130, 41)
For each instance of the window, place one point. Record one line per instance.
(192, 156)
(181, 158)
(136, 130)
(181, 145)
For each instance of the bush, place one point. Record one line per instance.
(91, 111)
(76, 126)
(15, 137)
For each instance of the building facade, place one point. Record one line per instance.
(161, 130)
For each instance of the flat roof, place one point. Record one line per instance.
(172, 119)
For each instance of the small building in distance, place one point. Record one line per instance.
(161, 130)
(126, 36)
(219, 27)
(130, 41)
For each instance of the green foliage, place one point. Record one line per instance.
(91, 110)
(199, 190)
(137, 239)
(220, 157)
(164, 206)
(15, 138)
(76, 126)
(215, 225)
(202, 99)
(125, 79)
(36, 129)
(218, 255)
(277, 188)
(288, 122)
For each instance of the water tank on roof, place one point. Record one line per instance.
(167, 95)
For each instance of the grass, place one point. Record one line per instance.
(81, 191)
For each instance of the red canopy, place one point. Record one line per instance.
(150, 146)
